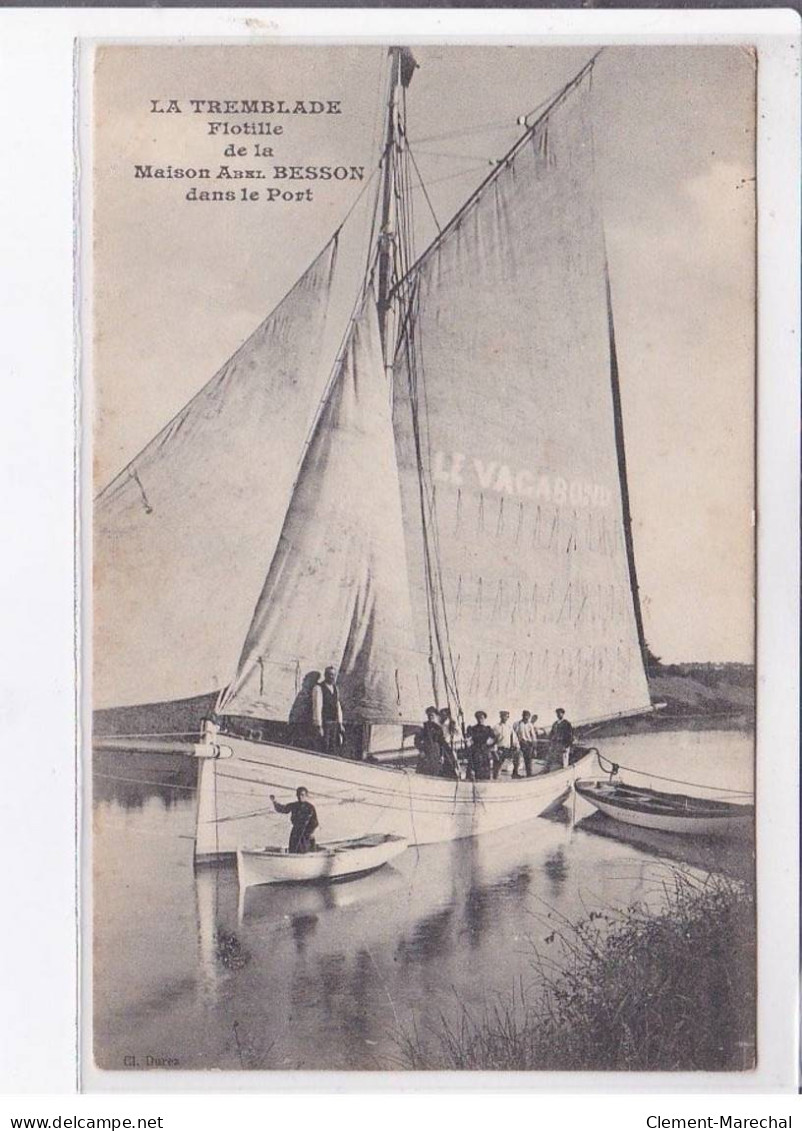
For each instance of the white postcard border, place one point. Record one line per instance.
(38, 977)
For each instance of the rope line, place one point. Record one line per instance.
(145, 734)
(488, 127)
(674, 781)
(424, 189)
(411, 809)
(145, 781)
(521, 788)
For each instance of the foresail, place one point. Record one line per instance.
(337, 590)
(509, 380)
(184, 535)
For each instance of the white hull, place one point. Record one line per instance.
(698, 826)
(329, 862)
(647, 816)
(355, 799)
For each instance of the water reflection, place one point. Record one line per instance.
(274, 902)
(360, 998)
(327, 976)
(556, 868)
(303, 927)
(731, 855)
(132, 780)
(430, 938)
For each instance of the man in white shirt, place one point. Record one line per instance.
(527, 739)
(506, 743)
(327, 713)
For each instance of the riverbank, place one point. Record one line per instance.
(692, 697)
(704, 690)
(632, 990)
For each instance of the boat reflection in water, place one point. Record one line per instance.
(329, 976)
(347, 968)
(731, 856)
(283, 901)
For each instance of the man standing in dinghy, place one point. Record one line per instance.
(303, 819)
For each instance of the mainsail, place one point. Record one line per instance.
(184, 535)
(504, 405)
(471, 512)
(337, 591)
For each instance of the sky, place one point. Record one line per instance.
(179, 285)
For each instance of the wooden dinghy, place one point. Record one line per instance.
(333, 861)
(669, 812)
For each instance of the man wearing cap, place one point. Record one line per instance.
(527, 741)
(506, 743)
(482, 740)
(562, 738)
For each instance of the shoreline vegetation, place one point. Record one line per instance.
(634, 990)
(703, 690)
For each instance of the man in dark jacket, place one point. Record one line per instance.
(482, 740)
(562, 739)
(450, 767)
(303, 819)
(431, 742)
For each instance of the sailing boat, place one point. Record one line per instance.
(442, 514)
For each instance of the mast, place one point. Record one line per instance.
(395, 258)
(386, 234)
(402, 68)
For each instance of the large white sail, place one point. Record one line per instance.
(504, 397)
(337, 590)
(184, 535)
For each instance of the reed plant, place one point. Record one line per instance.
(672, 989)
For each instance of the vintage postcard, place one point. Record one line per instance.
(423, 557)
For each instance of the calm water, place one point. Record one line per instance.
(329, 977)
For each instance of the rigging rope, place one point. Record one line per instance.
(435, 578)
(452, 156)
(154, 734)
(411, 808)
(675, 781)
(488, 127)
(406, 231)
(423, 188)
(357, 199)
(454, 176)
(408, 296)
(403, 250)
(146, 781)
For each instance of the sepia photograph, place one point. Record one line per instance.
(422, 397)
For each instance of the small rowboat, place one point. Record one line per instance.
(670, 812)
(334, 861)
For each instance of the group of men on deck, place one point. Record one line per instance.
(441, 744)
(488, 748)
